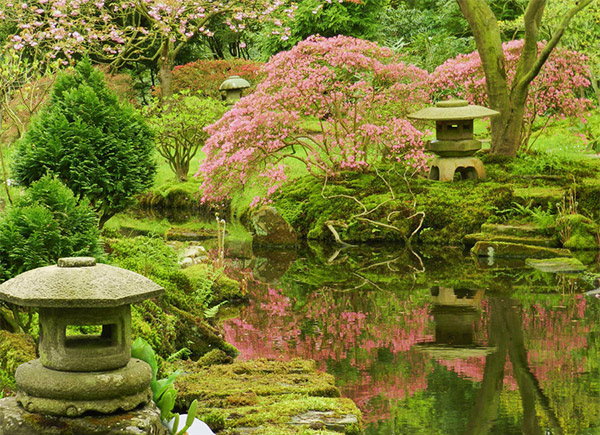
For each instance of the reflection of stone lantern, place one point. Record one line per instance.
(78, 373)
(454, 144)
(233, 87)
(455, 313)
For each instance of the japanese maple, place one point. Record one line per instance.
(356, 92)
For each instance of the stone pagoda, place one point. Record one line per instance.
(454, 145)
(81, 374)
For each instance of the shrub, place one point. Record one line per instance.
(179, 128)
(553, 93)
(205, 76)
(354, 91)
(45, 224)
(100, 148)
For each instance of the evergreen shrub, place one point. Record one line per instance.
(45, 224)
(100, 148)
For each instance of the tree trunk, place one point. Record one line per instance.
(510, 100)
(165, 71)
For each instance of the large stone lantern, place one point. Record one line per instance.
(79, 373)
(454, 144)
(233, 88)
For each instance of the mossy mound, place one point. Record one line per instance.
(579, 232)
(176, 320)
(267, 397)
(15, 349)
(450, 210)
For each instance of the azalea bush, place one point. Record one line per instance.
(554, 93)
(354, 93)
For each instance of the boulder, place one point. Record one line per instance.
(269, 228)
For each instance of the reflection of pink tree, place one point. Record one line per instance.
(329, 330)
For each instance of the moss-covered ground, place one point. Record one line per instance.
(265, 396)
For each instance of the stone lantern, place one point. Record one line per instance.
(454, 144)
(233, 87)
(80, 373)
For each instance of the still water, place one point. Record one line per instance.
(432, 344)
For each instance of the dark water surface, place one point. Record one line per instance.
(433, 345)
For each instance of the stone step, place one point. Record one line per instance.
(516, 250)
(522, 230)
(556, 265)
(538, 196)
(471, 239)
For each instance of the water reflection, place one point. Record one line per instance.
(452, 350)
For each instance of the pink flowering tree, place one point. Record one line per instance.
(123, 31)
(355, 93)
(554, 93)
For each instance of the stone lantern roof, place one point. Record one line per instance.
(78, 282)
(234, 82)
(453, 110)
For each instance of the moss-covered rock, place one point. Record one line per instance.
(268, 397)
(15, 349)
(579, 232)
(556, 265)
(516, 250)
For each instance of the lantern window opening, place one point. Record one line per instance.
(106, 338)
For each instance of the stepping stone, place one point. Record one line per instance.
(514, 230)
(557, 265)
(539, 195)
(516, 250)
(471, 239)
(188, 235)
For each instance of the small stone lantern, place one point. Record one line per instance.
(80, 373)
(233, 87)
(454, 144)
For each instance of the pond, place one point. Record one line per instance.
(431, 344)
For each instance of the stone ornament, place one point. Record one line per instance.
(455, 144)
(77, 373)
(233, 88)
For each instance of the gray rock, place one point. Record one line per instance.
(14, 420)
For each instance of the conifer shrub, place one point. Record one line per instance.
(100, 148)
(45, 224)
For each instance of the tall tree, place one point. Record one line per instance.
(509, 97)
(123, 31)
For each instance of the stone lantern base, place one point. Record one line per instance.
(14, 420)
(54, 392)
(444, 168)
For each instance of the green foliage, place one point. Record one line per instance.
(45, 224)
(550, 164)
(424, 35)
(163, 392)
(359, 19)
(100, 148)
(179, 127)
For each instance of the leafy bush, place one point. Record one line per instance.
(205, 76)
(45, 224)
(100, 148)
(356, 92)
(179, 128)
